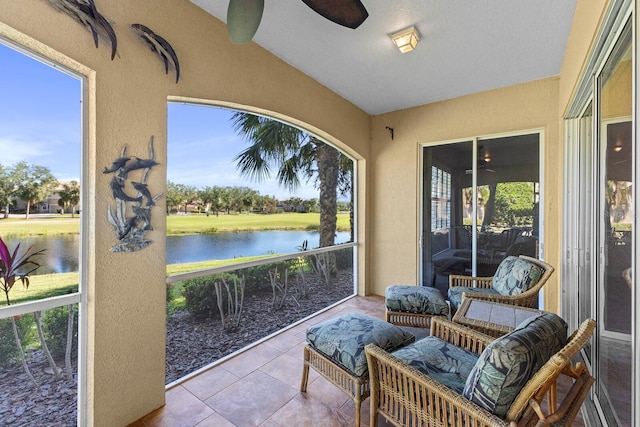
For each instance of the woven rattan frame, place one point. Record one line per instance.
(416, 320)
(528, 298)
(405, 396)
(357, 388)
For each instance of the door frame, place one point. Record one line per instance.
(475, 140)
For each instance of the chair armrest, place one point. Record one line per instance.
(469, 281)
(400, 393)
(459, 335)
(526, 299)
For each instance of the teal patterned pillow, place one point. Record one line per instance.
(509, 362)
(343, 339)
(415, 299)
(515, 276)
(446, 363)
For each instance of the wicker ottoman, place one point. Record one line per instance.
(335, 349)
(414, 305)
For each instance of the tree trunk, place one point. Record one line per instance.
(16, 336)
(28, 209)
(37, 317)
(67, 353)
(6, 211)
(489, 207)
(352, 203)
(328, 160)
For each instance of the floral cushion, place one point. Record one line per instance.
(455, 294)
(343, 339)
(506, 365)
(444, 362)
(516, 275)
(415, 299)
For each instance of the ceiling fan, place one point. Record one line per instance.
(243, 16)
(483, 162)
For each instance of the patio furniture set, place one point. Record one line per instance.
(496, 362)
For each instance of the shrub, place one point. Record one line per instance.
(200, 294)
(344, 259)
(257, 278)
(169, 294)
(54, 325)
(8, 349)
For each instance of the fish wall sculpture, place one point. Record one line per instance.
(86, 13)
(159, 46)
(131, 217)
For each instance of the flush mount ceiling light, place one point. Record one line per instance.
(406, 40)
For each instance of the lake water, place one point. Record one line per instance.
(61, 255)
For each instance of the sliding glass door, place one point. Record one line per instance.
(480, 205)
(615, 220)
(599, 228)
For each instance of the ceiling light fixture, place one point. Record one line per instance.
(618, 147)
(406, 40)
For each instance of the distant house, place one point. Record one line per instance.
(47, 205)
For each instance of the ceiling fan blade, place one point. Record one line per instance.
(243, 19)
(348, 13)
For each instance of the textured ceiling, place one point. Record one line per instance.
(465, 47)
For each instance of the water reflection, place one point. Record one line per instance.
(61, 252)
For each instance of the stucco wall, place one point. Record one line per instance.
(586, 20)
(395, 182)
(126, 104)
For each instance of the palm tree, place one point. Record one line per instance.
(295, 155)
(70, 196)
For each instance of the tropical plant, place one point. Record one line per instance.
(16, 266)
(295, 155)
(70, 196)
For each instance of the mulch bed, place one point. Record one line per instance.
(194, 343)
(191, 344)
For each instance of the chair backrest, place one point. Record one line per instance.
(516, 275)
(507, 364)
(545, 379)
(509, 236)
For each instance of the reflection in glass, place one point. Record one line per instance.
(585, 231)
(616, 225)
(505, 201)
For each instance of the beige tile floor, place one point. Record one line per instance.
(261, 386)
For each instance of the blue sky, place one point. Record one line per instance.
(40, 123)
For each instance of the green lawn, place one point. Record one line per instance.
(177, 224)
(54, 225)
(200, 223)
(42, 286)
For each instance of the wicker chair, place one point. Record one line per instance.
(485, 288)
(407, 397)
